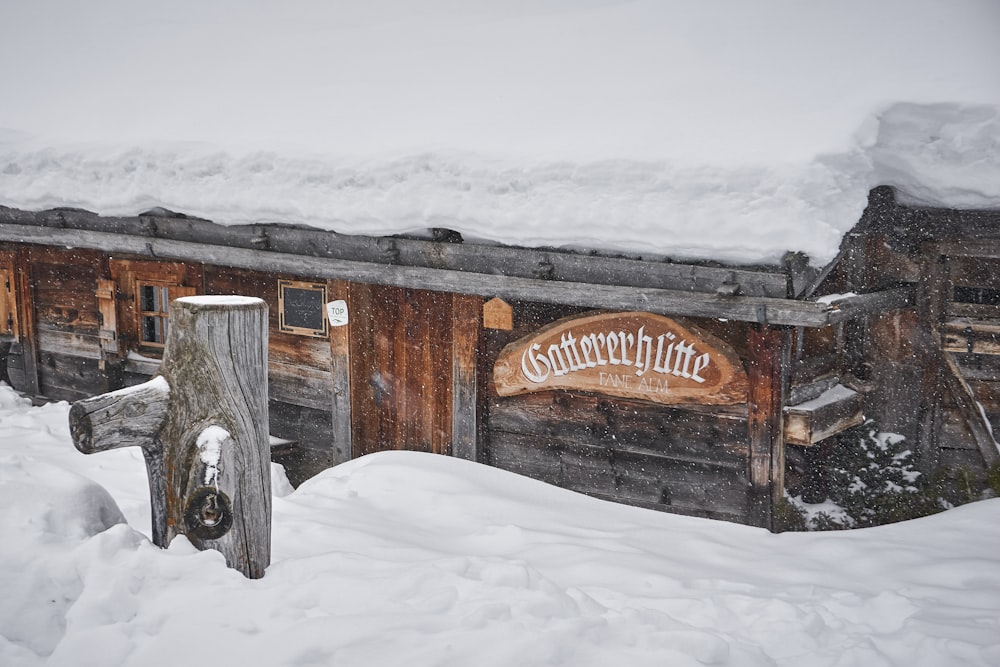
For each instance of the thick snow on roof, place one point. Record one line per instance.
(728, 130)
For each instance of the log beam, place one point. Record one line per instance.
(775, 311)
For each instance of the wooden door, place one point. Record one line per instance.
(401, 369)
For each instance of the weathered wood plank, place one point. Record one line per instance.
(969, 336)
(777, 311)
(73, 344)
(475, 258)
(26, 315)
(967, 406)
(813, 421)
(303, 351)
(367, 382)
(867, 304)
(623, 424)
(69, 377)
(977, 367)
(770, 351)
(643, 479)
(807, 391)
(970, 247)
(975, 272)
(971, 310)
(298, 385)
(340, 377)
(465, 326)
(933, 290)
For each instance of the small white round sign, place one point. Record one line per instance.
(336, 311)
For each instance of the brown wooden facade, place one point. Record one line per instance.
(413, 368)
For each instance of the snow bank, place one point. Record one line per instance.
(728, 131)
(408, 558)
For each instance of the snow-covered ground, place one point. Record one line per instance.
(725, 130)
(416, 559)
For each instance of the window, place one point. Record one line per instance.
(154, 302)
(135, 304)
(152, 307)
(301, 308)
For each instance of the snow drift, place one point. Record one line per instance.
(418, 559)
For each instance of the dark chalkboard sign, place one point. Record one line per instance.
(302, 308)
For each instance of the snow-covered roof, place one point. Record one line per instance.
(725, 130)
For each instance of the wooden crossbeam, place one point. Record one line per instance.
(762, 310)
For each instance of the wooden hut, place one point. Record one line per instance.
(669, 385)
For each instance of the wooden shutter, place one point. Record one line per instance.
(6, 304)
(108, 321)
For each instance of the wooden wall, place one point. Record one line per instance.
(690, 460)
(58, 293)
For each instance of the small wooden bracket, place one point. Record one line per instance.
(498, 314)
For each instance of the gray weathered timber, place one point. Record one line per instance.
(203, 429)
(933, 287)
(340, 381)
(623, 424)
(466, 316)
(777, 311)
(216, 364)
(984, 249)
(660, 482)
(473, 258)
(868, 304)
(808, 426)
(966, 404)
(130, 417)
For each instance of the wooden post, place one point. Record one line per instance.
(464, 411)
(931, 295)
(769, 358)
(340, 369)
(202, 424)
(25, 291)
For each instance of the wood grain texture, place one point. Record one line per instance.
(465, 326)
(340, 371)
(769, 357)
(649, 271)
(402, 364)
(216, 364)
(129, 418)
(968, 407)
(629, 355)
(202, 425)
(809, 426)
(660, 300)
(26, 314)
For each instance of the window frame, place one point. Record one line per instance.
(312, 332)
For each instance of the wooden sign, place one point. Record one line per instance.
(630, 355)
